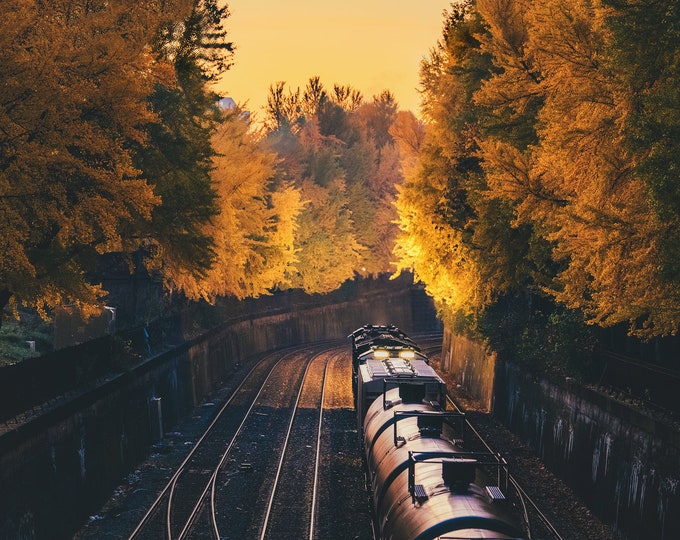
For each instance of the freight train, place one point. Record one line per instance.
(422, 481)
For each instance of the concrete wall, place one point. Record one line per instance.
(58, 467)
(471, 365)
(623, 463)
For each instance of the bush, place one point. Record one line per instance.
(15, 334)
(540, 335)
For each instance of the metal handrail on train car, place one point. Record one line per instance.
(493, 460)
(397, 380)
(446, 416)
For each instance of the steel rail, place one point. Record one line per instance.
(172, 483)
(523, 495)
(178, 472)
(272, 493)
(210, 485)
(318, 454)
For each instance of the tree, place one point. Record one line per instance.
(76, 76)
(510, 96)
(283, 110)
(379, 115)
(347, 97)
(546, 161)
(327, 254)
(177, 156)
(326, 246)
(605, 230)
(253, 233)
(650, 68)
(445, 224)
(339, 153)
(409, 134)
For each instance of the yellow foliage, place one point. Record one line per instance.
(76, 77)
(435, 252)
(577, 183)
(551, 141)
(517, 85)
(254, 230)
(327, 250)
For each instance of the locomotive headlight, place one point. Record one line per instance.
(381, 354)
(407, 354)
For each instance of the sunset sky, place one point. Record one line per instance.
(372, 45)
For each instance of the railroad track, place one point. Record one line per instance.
(177, 501)
(282, 427)
(290, 513)
(537, 523)
(256, 471)
(184, 503)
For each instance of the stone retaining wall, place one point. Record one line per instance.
(471, 365)
(623, 462)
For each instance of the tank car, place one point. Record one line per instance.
(423, 483)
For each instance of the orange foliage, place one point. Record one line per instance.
(549, 121)
(75, 77)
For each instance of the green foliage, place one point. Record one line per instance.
(541, 336)
(198, 43)
(652, 68)
(177, 156)
(176, 160)
(15, 333)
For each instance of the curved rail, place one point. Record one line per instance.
(522, 494)
(173, 480)
(318, 453)
(199, 503)
(213, 477)
(169, 490)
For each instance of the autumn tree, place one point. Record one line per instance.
(226, 226)
(408, 132)
(548, 164)
(578, 183)
(283, 110)
(326, 248)
(649, 68)
(176, 157)
(457, 241)
(378, 117)
(372, 164)
(339, 151)
(253, 233)
(76, 77)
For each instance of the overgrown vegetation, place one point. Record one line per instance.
(16, 334)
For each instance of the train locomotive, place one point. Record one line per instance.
(423, 483)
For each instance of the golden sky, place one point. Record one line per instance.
(372, 45)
